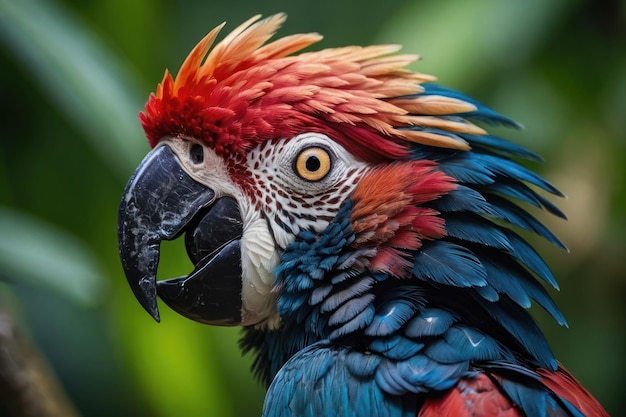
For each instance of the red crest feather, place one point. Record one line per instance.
(244, 91)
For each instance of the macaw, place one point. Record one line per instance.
(356, 220)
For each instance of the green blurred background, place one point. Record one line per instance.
(76, 73)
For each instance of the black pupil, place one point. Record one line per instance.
(313, 163)
(196, 153)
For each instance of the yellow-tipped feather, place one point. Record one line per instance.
(433, 105)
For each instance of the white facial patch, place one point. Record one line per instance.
(292, 203)
(259, 258)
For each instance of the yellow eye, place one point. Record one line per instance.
(312, 164)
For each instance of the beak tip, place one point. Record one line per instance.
(148, 300)
(154, 312)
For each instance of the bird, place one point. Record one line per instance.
(360, 224)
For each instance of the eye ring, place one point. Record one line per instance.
(313, 163)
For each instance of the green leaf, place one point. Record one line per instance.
(89, 84)
(37, 253)
(462, 41)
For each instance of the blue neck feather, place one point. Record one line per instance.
(466, 304)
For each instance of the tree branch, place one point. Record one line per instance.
(28, 386)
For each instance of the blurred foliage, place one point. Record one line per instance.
(76, 73)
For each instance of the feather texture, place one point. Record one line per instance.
(413, 299)
(246, 90)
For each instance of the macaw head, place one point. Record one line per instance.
(256, 149)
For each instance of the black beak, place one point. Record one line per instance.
(161, 201)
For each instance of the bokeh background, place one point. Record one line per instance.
(75, 73)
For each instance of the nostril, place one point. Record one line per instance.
(196, 153)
